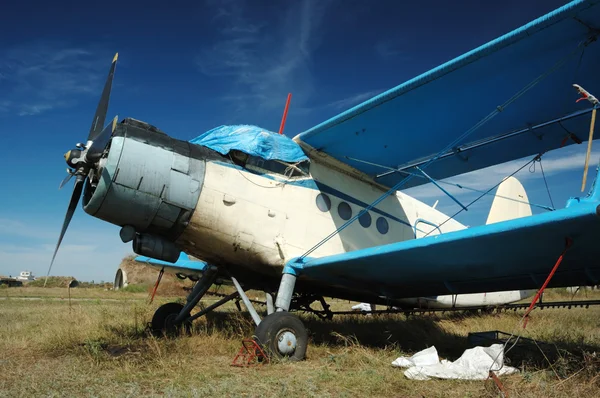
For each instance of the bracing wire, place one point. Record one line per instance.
(486, 193)
(546, 183)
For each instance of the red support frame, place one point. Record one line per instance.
(250, 354)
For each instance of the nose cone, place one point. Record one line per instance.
(149, 181)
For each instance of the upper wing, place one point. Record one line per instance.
(411, 123)
(511, 255)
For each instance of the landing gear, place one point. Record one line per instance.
(173, 317)
(282, 335)
(163, 321)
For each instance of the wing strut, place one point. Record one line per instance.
(442, 189)
(587, 96)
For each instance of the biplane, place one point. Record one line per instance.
(324, 213)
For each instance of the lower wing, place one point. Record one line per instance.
(510, 255)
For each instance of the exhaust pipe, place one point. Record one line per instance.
(155, 247)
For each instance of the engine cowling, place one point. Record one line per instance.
(147, 181)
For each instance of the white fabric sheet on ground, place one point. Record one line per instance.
(474, 364)
(362, 307)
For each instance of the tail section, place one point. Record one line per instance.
(510, 202)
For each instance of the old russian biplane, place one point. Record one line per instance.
(323, 214)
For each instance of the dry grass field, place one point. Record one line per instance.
(99, 347)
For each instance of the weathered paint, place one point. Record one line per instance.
(255, 218)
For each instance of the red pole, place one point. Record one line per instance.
(287, 104)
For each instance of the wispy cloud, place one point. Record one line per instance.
(40, 76)
(264, 61)
(387, 49)
(348, 102)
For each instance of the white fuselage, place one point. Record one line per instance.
(260, 220)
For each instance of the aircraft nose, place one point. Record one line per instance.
(149, 184)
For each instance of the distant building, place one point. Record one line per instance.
(26, 276)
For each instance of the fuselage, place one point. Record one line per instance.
(247, 216)
(256, 218)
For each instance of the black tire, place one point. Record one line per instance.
(163, 321)
(271, 329)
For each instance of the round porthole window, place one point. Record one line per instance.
(382, 226)
(323, 202)
(365, 220)
(345, 211)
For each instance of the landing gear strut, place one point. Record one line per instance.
(282, 334)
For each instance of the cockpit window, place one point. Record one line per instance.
(289, 170)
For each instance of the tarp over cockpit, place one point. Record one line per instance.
(253, 140)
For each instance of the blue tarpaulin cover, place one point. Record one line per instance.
(253, 140)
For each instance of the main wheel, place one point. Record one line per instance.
(282, 335)
(163, 321)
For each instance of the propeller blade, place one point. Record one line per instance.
(100, 116)
(66, 179)
(95, 150)
(71, 209)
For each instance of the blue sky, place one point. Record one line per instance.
(187, 67)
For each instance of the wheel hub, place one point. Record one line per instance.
(286, 342)
(170, 321)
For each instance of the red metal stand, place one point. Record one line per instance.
(250, 355)
(160, 275)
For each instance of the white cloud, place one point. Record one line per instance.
(43, 75)
(264, 61)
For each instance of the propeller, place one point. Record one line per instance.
(101, 110)
(83, 161)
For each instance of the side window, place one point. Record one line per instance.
(382, 225)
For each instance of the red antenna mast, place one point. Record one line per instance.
(287, 105)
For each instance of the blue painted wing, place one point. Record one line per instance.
(411, 123)
(183, 265)
(510, 255)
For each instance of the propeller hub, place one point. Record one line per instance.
(72, 156)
